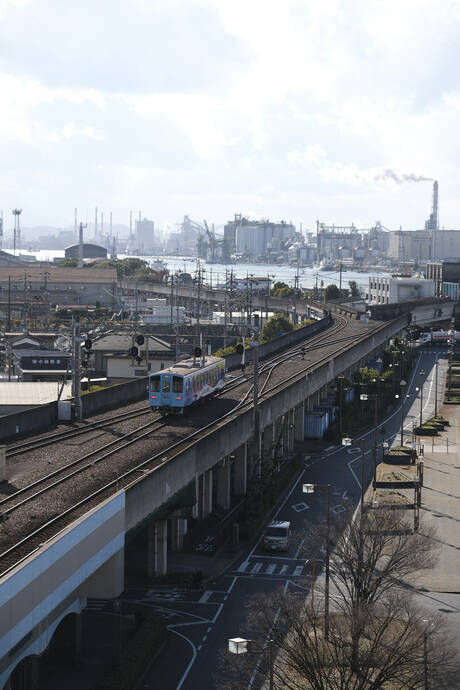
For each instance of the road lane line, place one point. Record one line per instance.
(205, 597)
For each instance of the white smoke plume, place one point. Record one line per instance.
(389, 174)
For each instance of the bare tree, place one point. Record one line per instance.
(378, 637)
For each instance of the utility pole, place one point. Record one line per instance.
(9, 305)
(340, 278)
(255, 398)
(76, 364)
(436, 389)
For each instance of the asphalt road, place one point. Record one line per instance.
(200, 623)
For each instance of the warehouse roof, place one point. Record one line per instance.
(56, 274)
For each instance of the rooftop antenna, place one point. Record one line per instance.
(17, 230)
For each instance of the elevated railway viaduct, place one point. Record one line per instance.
(46, 578)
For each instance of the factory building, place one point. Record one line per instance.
(144, 233)
(63, 286)
(90, 251)
(394, 290)
(255, 240)
(441, 272)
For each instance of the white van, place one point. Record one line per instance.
(277, 536)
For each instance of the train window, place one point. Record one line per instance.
(166, 384)
(177, 384)
(155, 384)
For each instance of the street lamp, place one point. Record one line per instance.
(375, 398)
(239, 645)
(340, 379)
(310, 489)
(421, 373)
(403, 385)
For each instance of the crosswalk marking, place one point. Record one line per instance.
(243, 566)
(271, 568)
(283, 569)
(256, 567)
(298, 570)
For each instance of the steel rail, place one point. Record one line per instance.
(161, 454)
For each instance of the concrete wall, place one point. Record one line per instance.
(113, 396)
(86, 559)
(274, 346)
(159, 486)
(20, 423)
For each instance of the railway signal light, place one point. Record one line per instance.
(88, 344)
(197, 351)
(140, 339)
(134, 351)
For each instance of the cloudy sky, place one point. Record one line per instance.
(293, 109)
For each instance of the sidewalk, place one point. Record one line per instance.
(441, 504)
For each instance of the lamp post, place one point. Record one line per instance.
(421, 373)
(340, 379)
(403, 385)
(239, 645)
(310, 489)
(436, 389)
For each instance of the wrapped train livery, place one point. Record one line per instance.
(176, 388)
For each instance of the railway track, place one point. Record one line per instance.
(56, 480)
(57, 437)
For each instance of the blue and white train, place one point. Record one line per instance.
(172, 390)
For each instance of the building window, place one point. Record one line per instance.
(140, 372)
(34, 361)
(51, 361)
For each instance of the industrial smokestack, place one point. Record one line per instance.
(433, 221)
(95, 223)
(80, 247)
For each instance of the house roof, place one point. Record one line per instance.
(36, 352)
(56, 274)
(37, 393)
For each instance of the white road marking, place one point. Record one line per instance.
(205, 597)
(299, 507)
(298, 550)
(270, 568)
(243, 566)
(298, 570)
(256, 567)
(283, 569)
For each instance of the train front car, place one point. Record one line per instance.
(176, 388)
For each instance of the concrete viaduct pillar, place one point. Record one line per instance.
(299, 422)
(178, 529)
(241, 470)
(224, 484)
(157, 548)
(204, 494)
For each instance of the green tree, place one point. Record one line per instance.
(331, 292)
(275, 325)
(354, 289)
(281, 289)
(68, 263)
